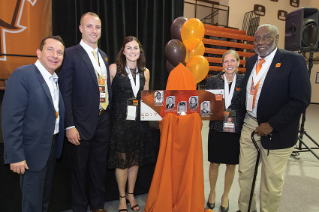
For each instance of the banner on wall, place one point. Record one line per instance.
(23, 24)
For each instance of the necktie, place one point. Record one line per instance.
(258, 67)
(99, 79)
(55, 98)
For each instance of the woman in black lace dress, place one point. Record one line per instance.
(223, 146)
(130, 145)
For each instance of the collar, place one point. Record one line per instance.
(88, 48)
(269, 57)
(44, 72)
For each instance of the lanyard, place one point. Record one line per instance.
(256, 78)
(98, 68)
(135, 87)
(229, 94)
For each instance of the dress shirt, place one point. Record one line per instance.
(265, 68)
(89, 51)
(52, 82)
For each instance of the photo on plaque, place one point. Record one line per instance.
(193, 102)
(159, 97)
(170, 102)
(205, 107)
(182, 108)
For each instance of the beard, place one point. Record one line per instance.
(266, 53)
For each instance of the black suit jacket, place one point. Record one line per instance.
(28, 119)
(79, 88)
(216, 82)
(285, 94)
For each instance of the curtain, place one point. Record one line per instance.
(148, 20)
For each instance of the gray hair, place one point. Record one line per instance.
(273, 28)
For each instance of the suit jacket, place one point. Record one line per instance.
(79, 88)
(169, 106)
(285, 94)
(216, 82)
(28, 119)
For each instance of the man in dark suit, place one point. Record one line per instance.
(170, 104)
(205, 108)
(86, 90)
(278, 90)
(33, 124)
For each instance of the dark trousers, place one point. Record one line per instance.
(91, 155)
(36, 186)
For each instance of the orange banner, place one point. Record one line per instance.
(23, 24)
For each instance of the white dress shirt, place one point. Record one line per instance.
(52, 82)
(264, 68)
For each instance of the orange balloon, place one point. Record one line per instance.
(199, 67)
(192, 33)
(199, 50)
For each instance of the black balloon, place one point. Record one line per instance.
(169, 66)
(176, 27)
(175, 52)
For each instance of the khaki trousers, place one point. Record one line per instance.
(272, 169)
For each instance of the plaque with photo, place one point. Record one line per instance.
(209, 104)
(282, 15)
(259, 10)
(294, 3)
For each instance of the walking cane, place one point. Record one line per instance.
(256, 169)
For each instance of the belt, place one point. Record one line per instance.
(55, 135)
(101, 111)
(250, 116)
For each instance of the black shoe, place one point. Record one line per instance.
(224, 209)
(210, 205)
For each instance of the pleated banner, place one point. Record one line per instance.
(23, 24)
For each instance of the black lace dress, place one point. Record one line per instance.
(131, 141)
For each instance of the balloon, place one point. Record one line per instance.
(192, 33)
(199, 50)
(169, 66)
(175, 52)
(199, 67)
(176, 27)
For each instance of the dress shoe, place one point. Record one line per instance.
(120, 210)
(224, 209)
(210, 205)
(134, 206)
(98, 210)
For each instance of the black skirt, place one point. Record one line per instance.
(223, 147)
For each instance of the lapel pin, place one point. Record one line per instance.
(237, 88)
(106, 59)
(278, 65)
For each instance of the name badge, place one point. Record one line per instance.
(250, 99)
(229, 124)
(102, 93)
(253, 90)
(131, 109)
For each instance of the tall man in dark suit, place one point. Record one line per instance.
(278, 90)
(86, 90)
(33, 124)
